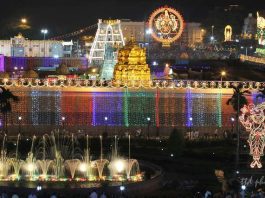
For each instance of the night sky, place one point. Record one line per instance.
(63, 16)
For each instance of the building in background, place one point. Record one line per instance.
(260, 34)
(250, 27)
(135, 29)
(193, 34)
(19, 46)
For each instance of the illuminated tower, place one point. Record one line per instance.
(108, 34)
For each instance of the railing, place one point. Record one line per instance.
(257, 60)
(153, 84)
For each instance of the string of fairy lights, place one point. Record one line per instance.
(161, 84)
(128, 107)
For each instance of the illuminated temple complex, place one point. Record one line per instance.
(132, 64)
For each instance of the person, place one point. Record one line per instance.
(93, 195)
(216, 133)
(15, 196)
(207, 194)
(4, 195)
(32, 195)
(103, 195)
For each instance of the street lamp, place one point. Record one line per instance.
(24, 20)
(243, 188)
(63, 119)
(122, 188)
(246, 48)
(149, 32)
(223, 74)
(106, 125)
(233, 121)
(148, 126)
(19, 124)
(190, 119)
(44, 32)
(212, 36)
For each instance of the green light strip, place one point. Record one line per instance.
(125, 107)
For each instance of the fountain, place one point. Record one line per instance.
(58, 157)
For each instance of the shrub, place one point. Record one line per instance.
(176, 142)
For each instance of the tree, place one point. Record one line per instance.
(237, 101)
(176, 142)
(30, 74)
(62, 69)
(6, 97)
(261, 93)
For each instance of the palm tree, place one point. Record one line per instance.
(6, 97)
(237, 101)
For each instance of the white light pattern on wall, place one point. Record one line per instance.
(253, 120)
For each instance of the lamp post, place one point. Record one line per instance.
(23, 20)
(190, 119)
(63, 119)
(149, 32)
(106, 125)
(223, 74)
(212, 36)
(246, 49)
(19, 124)
(243, 188)
(148, 126)
(232, 123)
(44, 32)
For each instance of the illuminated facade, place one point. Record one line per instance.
(19, 46)
(110, 60)
(108, 33)
(228, 33)
(167, 25)
(192, 34)
(261, 29)
(250, 27)
(132, 64)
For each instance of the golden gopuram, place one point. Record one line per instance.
(132, 66)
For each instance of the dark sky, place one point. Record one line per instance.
(63, 16)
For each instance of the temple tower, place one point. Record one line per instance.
(109, 34)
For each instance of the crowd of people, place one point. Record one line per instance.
(92, 194)
(217, 134)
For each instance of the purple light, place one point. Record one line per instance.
(2, 63)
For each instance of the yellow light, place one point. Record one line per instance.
(24, 20)
(119, 165)
(167, 65)
(83, 167)
(94, 70)
(30, 167)
(223, 73)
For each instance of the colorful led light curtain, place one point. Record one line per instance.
(45, 107)
(108, 109)
(141, 107)
(35, 107)
(165, 108)
(76, 108)
(171, 109)
(188, 111)
(125, 107)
